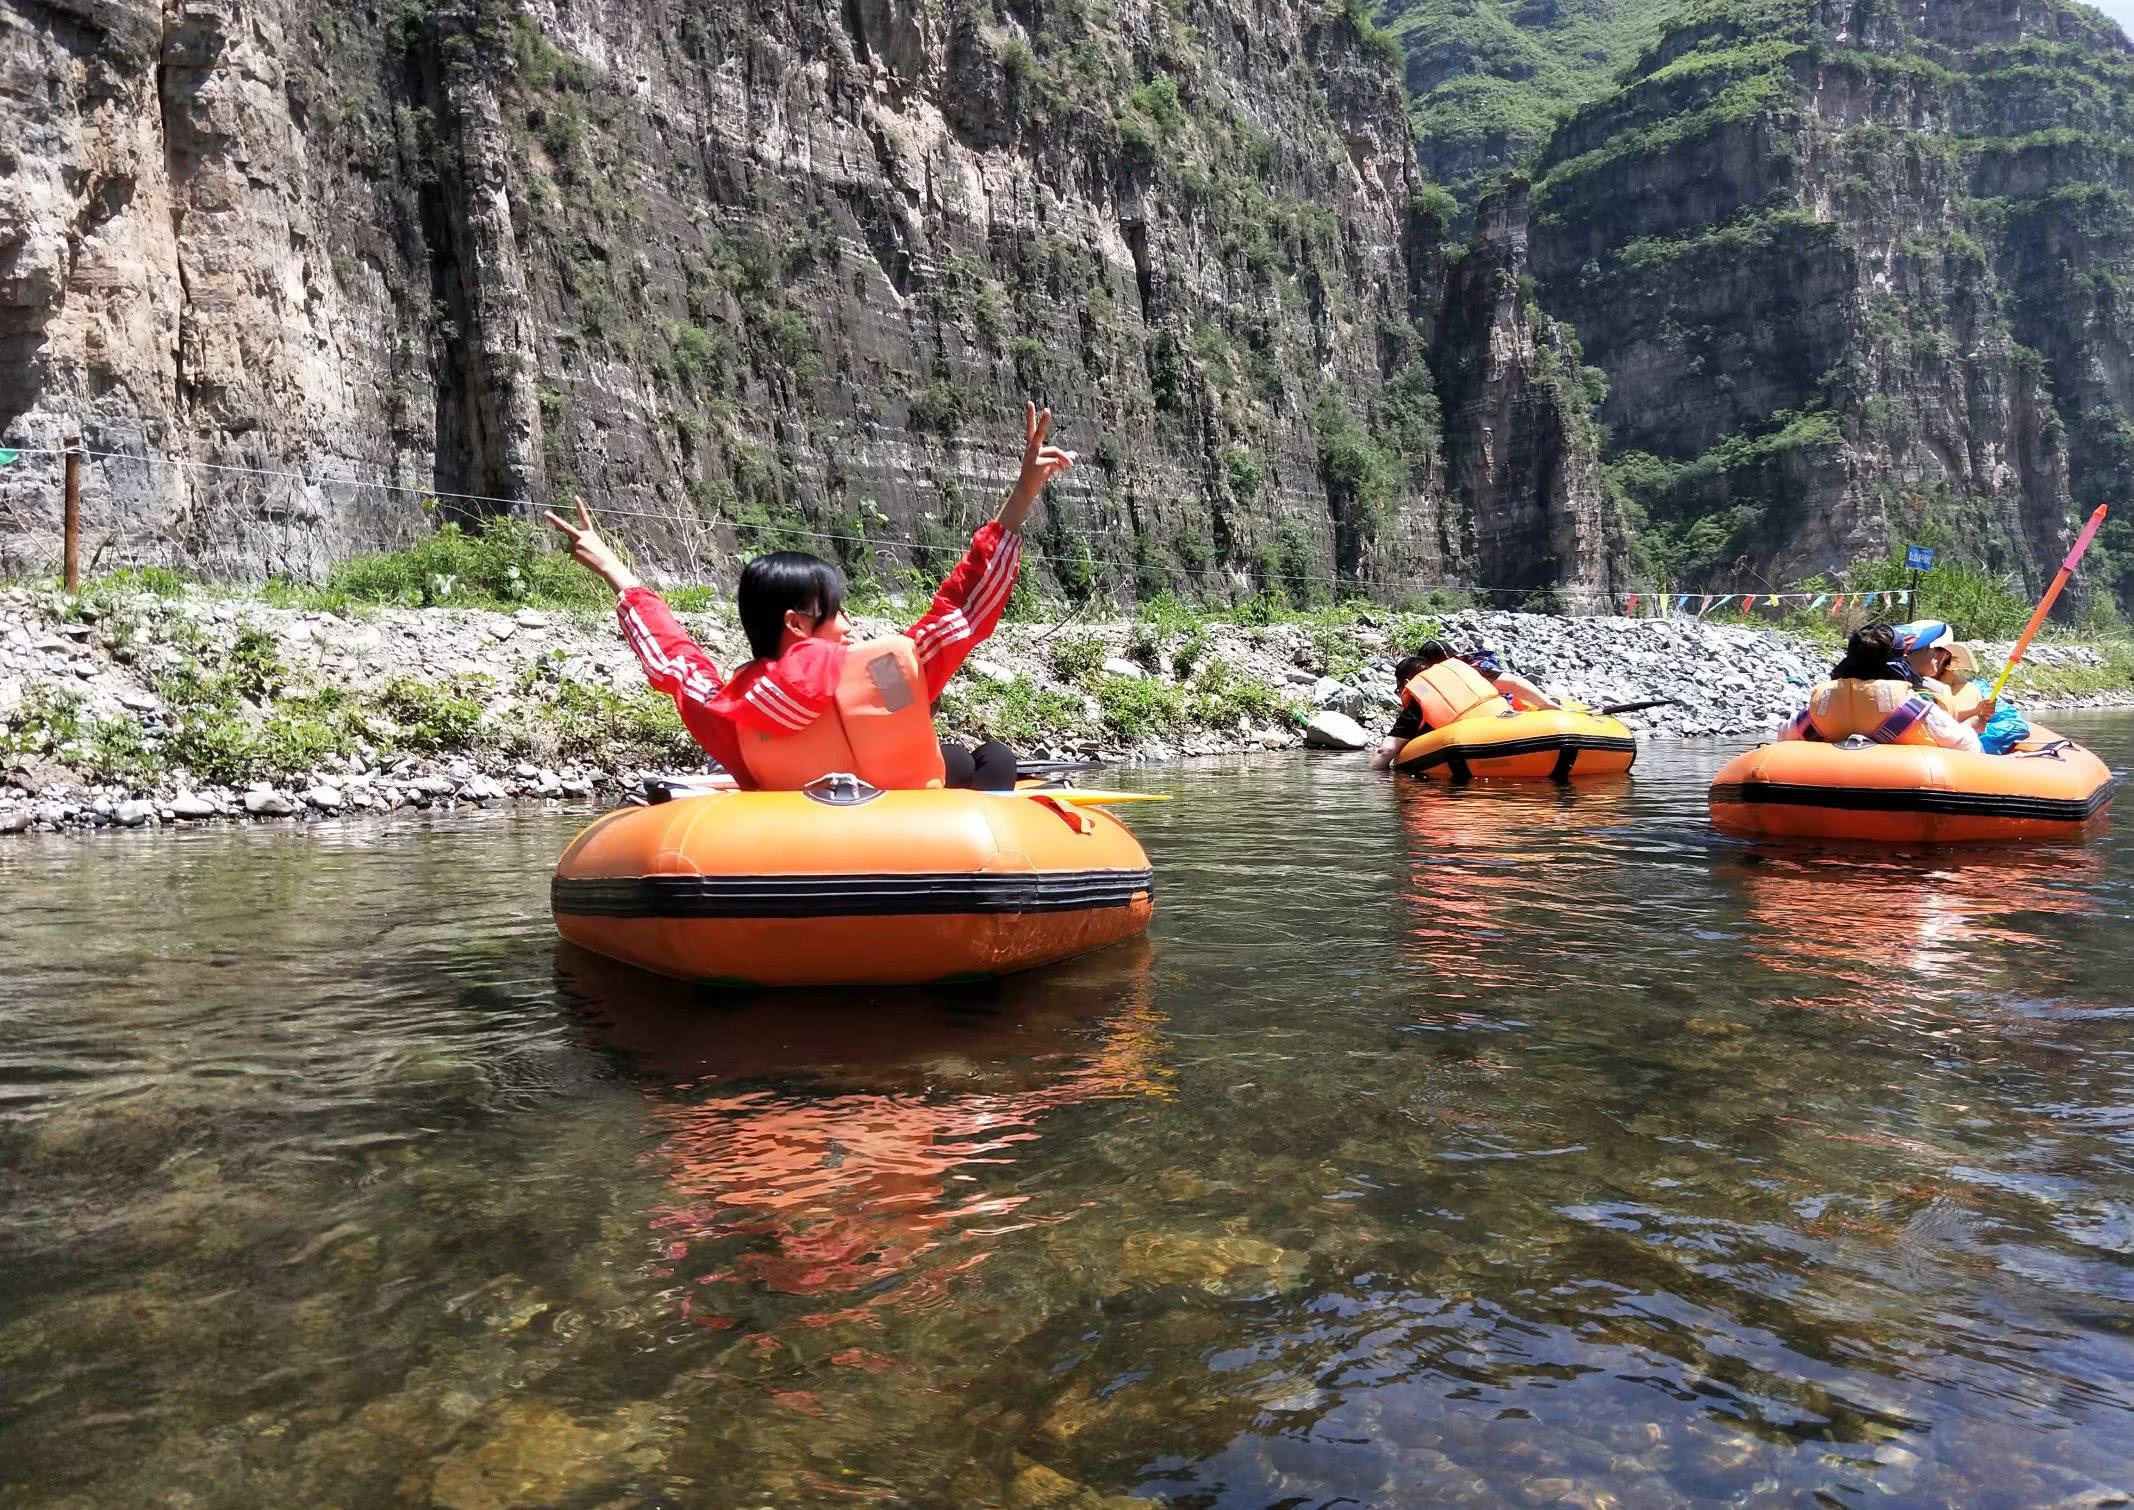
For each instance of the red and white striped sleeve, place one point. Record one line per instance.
(786, 695)
(969, 605)
(674, 663)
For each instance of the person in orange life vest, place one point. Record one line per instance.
(1454, 690)
(1522, 694)
(1875, 695)
(792, 610)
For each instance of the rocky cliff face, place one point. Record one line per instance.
(1520, 435)
(771, 272)
(1856, 273)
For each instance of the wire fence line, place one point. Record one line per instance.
(384, 521)
(254, 515)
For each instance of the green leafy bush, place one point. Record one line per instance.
(1140, 708)
(431, 719)
(1077, 659)
(1016, 711)
(1980, 605)
(1222, 700)
(507, 563)
(1189, 651)
(938, 409)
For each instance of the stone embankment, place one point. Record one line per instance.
(143, 710)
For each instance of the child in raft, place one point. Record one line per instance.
(791, 607)
(1946, 666)
(1873, 693)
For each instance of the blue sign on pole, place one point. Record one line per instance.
(1919, 557)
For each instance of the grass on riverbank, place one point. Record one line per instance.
(2038, 683)
(236, 714)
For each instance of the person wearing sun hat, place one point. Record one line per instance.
(1946, 666)
(1943, 662)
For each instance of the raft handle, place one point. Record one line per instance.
(841, 789)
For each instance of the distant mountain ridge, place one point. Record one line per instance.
(1854, 273)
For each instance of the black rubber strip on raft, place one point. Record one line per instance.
(1457, 756)
(1860, 799)
(921, 893)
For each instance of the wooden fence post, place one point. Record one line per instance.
(73, 529)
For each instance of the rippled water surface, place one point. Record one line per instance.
(1507, 1146)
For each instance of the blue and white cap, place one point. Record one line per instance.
(1935, 634)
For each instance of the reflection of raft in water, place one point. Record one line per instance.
(2049, 787)
(1553, 744)
(855, 887)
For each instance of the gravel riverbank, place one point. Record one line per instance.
(138, 710)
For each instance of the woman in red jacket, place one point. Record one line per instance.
(792, 609)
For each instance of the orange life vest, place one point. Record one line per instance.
(1955, 701)
(878, 727)
(1877, 710)
(1451, 691)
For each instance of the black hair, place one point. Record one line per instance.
(779, 581)
(1871, 656)
(1433, 651)
(1405, 669)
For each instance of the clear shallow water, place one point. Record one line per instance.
(1497, 1147)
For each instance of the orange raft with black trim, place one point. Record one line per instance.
(845, 885)
(1551, 744)
(2048, 787)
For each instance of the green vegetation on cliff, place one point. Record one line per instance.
(1490, 79)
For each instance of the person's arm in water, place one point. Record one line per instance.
(972, 599)
(674, 663)
(1405, 728)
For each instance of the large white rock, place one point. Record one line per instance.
(1329, 730)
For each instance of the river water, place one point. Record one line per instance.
(1504, 1146)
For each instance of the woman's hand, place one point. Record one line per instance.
(1041, 463)
(592, 552)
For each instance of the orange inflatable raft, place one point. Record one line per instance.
(846, 885)
(2046, 788)
(1553, 744)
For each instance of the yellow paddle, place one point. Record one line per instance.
(2067, 569)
